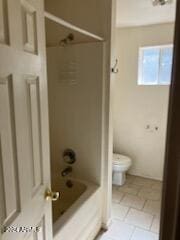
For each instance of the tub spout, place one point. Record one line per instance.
(66, 171)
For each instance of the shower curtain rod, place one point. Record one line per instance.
(71, 26)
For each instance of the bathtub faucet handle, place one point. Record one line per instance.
(66, 171)
(49, 195)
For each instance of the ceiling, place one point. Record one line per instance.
(141, 12)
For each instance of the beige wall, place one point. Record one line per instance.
(135, 107)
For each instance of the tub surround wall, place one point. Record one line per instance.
(135, 107)
(96, 17)
(75, 108)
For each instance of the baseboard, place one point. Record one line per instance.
(139, 174)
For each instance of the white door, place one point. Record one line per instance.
(24, 139)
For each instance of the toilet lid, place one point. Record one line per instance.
(121, 159)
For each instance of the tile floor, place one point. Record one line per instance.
(135, 210)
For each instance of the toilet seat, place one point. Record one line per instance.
(121, 160)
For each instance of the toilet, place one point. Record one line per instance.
(121, 165)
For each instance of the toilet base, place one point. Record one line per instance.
(118, 178)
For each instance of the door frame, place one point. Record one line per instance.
(170, 211)
(107, 136)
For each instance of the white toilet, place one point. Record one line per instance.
(121, 165)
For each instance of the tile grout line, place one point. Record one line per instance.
(124, 194)
(152, 221)
(146, 230)
(141, 212)
(146, 200)
(126, 214)
(133, 232)
(121, 198)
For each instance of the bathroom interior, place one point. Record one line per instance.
(140, 96)
(76, 67)
(82, 144)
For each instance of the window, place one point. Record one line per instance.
(155, 65)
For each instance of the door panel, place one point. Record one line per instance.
(37, 234)
(4, 29)
(9, 169)
(24, 133)
(29, 24)
(35, 135)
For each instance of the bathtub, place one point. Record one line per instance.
(77, 213)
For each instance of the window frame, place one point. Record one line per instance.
(140, 65)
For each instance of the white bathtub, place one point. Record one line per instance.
(77, 214)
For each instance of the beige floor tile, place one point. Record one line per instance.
(135, 206)
(120, 231)
(150, 194)
(119, 211)
(157, 186)
(133, 201)
(114, 187)
(130, 178)
(103, 236)
(152, 207)
(117, 196)
(139, 219)
(140, 234)
(143, 182)
(130, 188)
(155, 225)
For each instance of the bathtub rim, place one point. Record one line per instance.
(91, 189)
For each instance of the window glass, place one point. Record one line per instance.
(150, 68)
(165, 66)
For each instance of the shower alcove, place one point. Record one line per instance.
(75, 70)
